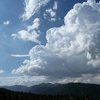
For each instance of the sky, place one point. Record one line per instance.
(55, 41)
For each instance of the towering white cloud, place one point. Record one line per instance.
(32, 6)
(72, 50)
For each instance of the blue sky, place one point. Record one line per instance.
(12, 11)
(26, 41)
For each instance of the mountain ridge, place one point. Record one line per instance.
(75, 90)
(58, 89)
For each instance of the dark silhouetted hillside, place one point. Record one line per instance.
(76, 90)
(10, 95)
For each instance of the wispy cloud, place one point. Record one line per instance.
(19, 55)
(31, 7)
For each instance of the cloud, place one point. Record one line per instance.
(6, 22)
(72, 51)
(35, 25)
(21, 80)
(55, 6)
(32, 6)
(1, 71)
(88, 78)
(51, 12)
(30, 34)
(19, 55)
(26, 36)
(91, 1)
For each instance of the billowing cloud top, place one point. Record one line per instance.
(72, 50)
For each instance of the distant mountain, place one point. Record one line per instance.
(17, 88)
(71, 89)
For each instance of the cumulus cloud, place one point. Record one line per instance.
(51, 12)
(35, 24)
(26, 36)
(72, 51)
(31, 7)
(30, 34)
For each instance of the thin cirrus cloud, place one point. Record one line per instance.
(72, 51)
(30, 34)
(31, 7)
(19, 55)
